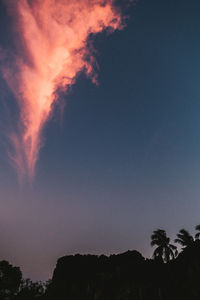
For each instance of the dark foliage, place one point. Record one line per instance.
(184, 238)
(126, 276)
(164, 251)
(29, 290)
(10, 279)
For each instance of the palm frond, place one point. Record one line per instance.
(176, 253)
(179, 241)
(197, 235)
(173, 247)
(197, 227)
(184, 238)
(184, 232)
(154, 243)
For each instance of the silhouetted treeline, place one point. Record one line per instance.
(126, 276)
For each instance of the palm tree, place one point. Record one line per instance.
(165, 251)
(184, 238)
(197, 235)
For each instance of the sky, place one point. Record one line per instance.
(123, 159)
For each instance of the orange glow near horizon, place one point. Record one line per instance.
(51, 50)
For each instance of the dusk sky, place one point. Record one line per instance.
(124, 157)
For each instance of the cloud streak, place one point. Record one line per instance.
(51, 50)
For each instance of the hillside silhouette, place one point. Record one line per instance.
(169, 275)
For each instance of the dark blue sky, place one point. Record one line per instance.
(125, 159)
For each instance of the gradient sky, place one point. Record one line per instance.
(125, 159)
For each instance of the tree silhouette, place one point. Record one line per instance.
(184, 238)
(10, 279)
(165, 251)
(29, 290)
(197, 235)
(124, 276)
